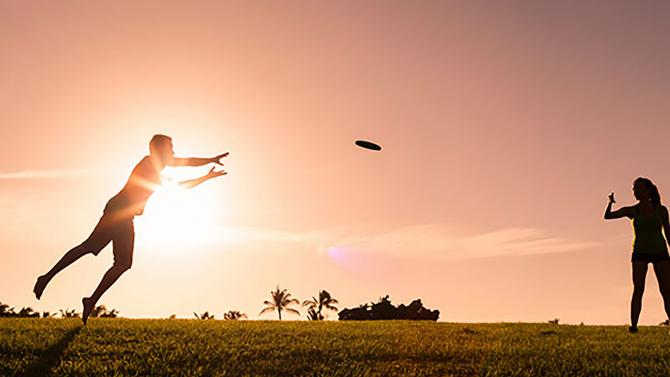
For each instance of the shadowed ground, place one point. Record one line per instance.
(32, 347)
(51, 356)
(270, 348)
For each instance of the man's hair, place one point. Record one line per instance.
(157, 141)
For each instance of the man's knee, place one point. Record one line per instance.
(90, 246)
(123, 265)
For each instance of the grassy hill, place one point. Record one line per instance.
(113, 347)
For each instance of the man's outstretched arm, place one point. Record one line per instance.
(197, 161)
(195, 182)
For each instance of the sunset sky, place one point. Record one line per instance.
(504, 126)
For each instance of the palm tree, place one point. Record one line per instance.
(280, 301)
(204, 315)
(312, 315)
(234, 315)
(315, 307)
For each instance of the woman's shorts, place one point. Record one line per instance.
(649, 257)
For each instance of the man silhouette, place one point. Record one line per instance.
(116, 223)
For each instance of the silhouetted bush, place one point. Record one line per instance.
(28, 313)
(384, 310)
(234, 315)
(67, 313)
(204, 316)
(7, 311)
(101, 311)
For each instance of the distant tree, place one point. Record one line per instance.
(383, 300)
(384, 310)
(48, 314)
(280, 302)
(233, 315)
(173, 316)
(97, 311)
(6, 310)
(315, 306)
(101, 311)
(27, 313)
(553, 321)
(665, 323)
(204, 316)
(110, 314)
(361, 313)
(67, 313)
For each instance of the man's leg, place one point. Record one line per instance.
(97, 241)
(123, 242)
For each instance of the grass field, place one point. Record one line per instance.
(126, 347)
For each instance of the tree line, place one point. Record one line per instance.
(281, 302)
(99, 311)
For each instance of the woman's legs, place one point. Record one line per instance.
(662, 270)
(639, 275)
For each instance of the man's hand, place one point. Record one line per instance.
(611, 198)
(214, 174)
(195, 182)
(217, 159)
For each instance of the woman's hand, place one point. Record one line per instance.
(621, 212)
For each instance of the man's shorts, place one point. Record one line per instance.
(116, 229)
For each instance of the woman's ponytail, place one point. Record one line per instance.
(654, 196)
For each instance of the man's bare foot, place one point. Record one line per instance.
(40, 284)
(88, 308)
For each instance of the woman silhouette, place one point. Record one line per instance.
(650, 220)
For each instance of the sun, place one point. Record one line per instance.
(177, 219)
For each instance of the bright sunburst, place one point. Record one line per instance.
(179, 220)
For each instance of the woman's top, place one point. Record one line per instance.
(648, 233)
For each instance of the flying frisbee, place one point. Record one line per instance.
(368, 145)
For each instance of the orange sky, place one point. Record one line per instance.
(504, 128)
